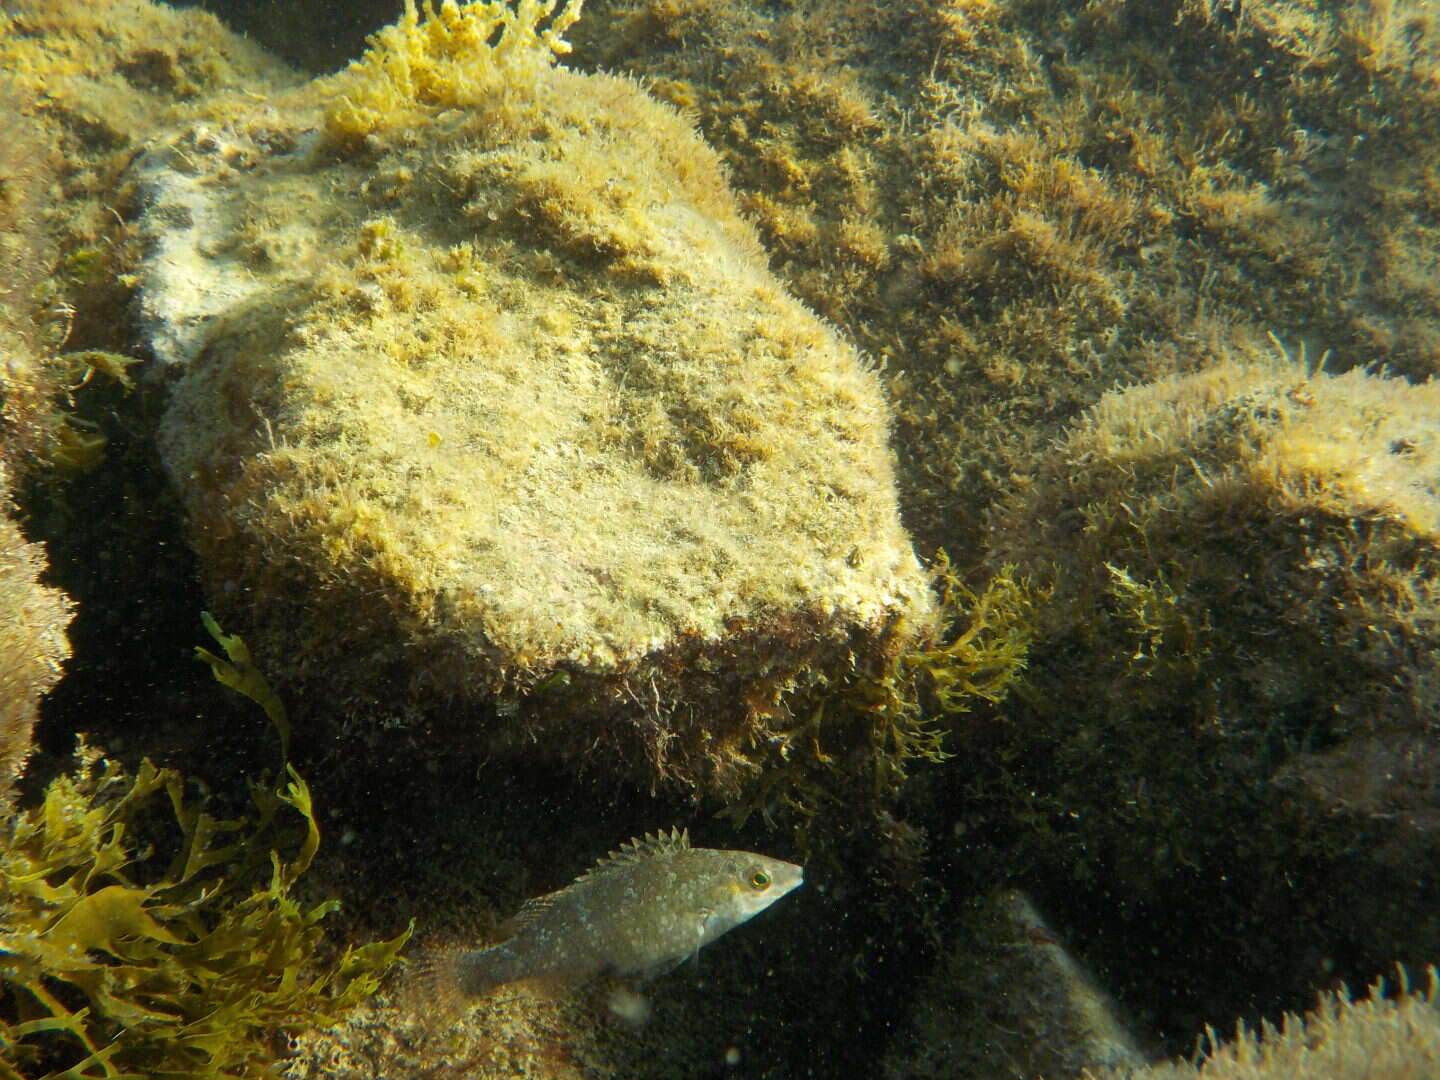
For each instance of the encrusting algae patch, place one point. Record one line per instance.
(477, 356)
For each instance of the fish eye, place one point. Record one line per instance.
(759, 879)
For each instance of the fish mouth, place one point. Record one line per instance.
(789, 885)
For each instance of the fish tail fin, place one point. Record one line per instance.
(447, 979)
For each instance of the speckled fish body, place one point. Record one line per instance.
(639, 912)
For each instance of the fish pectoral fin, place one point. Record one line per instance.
(528, 913)
(705, 916)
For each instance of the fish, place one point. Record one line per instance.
(637, 913)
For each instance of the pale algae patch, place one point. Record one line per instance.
(485, 397)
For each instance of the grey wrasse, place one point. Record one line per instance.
(638, 912)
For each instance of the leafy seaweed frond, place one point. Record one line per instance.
(119, 962)
(240, 674)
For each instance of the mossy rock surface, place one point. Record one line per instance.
(488, 368)
(33, 644)
(1254, 545)
(1022, 204)
(1223, 743)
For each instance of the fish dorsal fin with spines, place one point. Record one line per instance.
(632, 851)
(638, 849)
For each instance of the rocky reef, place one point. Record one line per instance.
(512, 421)
(1008, 988)
(1232, 696)
(1018, 204)
(1253, 547)
(80, 87)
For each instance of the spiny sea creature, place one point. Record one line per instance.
(638, 912)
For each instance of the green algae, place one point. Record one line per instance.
(117, 963)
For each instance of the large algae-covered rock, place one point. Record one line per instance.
(1255, 545)
(1245, 569)
(488, 396)
(1225, 742)
(33, 644)
(82, 85)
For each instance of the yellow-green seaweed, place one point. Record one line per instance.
(988, 638)
(114, 964)
(240, 674)
(899, 710)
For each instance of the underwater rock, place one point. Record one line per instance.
(1256, 546)
(1391, 775)
(81, 86)
(33, 643)
(486, 404)
(1020, 206)
(1008, 998)
(103, 76)
(33, 617)
(1233, 685)
(28, 385)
